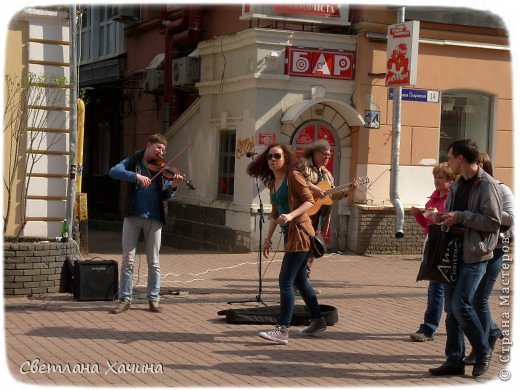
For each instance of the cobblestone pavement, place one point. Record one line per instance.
(379, 304)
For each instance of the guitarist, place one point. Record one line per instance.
(315, 157)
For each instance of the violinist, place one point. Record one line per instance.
(143, 211)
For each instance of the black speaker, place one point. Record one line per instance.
(95, 280)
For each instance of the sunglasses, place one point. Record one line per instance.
(325, 154)
(276, 156)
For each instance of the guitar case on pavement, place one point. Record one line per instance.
(269, 315)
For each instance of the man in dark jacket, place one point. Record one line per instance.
(144, 212)
(474, 203)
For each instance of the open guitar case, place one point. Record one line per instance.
(269, 315)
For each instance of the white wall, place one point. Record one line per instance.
(49, 56)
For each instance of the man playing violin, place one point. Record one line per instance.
(143, 211)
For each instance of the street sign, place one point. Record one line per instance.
(416, 95)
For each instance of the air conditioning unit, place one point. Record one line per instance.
(126, 14)
(153, 81)
(185, 71)
(154, 75)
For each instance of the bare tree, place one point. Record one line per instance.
(35, 115)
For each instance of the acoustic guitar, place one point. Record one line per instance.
(326, 200)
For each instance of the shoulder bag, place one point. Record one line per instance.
(317, 244)
(442, 255)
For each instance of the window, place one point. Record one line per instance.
(464, 115)
(86, 32)
(100, 36)
(226, 165)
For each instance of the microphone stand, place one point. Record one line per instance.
(261, 221)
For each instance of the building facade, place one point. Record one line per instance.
(220, 81)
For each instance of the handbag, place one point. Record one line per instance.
(442, 256)
(317, 244)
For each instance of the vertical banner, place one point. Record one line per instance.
(402, 52)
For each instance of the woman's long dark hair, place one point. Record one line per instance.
(260, 168)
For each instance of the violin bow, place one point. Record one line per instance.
(169, 162)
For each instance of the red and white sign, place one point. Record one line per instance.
(324, 10)
(306, 136)
(402, 53)
(266, 138)
(330, 64)
(315, 13)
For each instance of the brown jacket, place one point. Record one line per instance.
(297, 240)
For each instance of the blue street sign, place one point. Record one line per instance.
(416, 95)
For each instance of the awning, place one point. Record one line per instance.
(352, 117)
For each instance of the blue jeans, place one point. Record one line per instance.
(461, 318)
(132, 227)
(433, 313)
(484, 290)
(294, 273)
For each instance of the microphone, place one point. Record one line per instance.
(251, 154)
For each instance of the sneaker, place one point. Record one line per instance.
(122, 306)
(420, 337)
(315, 328)
(154, 306)
(279, 335)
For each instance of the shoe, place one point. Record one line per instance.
(448, 369)
(481, 366)
(279, 335)
(470, 359)
(122, 306)
(493, 340)
(315, 328)
(420, 337)
(154, 306)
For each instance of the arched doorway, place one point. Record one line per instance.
(332, 119)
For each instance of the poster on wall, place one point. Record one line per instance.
(402, 52)
(266, 138)
(306, 136)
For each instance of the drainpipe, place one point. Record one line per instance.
(396, 144)
(183, 31)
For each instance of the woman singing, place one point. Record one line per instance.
(290, 199)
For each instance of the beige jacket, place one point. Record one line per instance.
(310, 172)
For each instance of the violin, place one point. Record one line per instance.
(159, 166)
